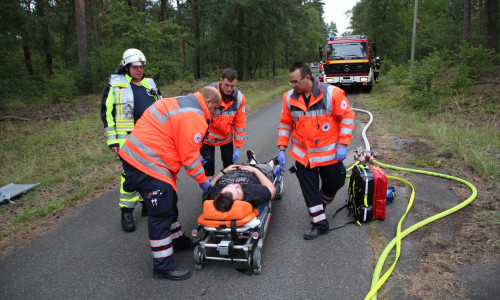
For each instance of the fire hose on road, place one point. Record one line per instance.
(369, 156)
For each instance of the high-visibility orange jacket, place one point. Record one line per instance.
(228, 121)
(317, 130)
(169, 135)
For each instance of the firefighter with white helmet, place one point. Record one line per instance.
(376, 68)
(128, 94)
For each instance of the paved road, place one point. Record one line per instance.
(88, 256)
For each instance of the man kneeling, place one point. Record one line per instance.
(251, 183)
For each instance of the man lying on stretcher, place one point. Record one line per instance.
(251, 183)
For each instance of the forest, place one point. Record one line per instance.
(55, 50)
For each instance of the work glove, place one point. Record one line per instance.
(341, 153)
(281, 158)
(205, 186)
(203, 162)
(236, 155)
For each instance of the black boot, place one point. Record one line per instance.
(127, 219)
(144, 211)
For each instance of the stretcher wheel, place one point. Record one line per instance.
(256, 266)
(199, 258)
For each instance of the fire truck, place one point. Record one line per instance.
(347, 62)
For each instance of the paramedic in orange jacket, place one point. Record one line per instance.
(317, 121)
(227, 129)
(167, 137)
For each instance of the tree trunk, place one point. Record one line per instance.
(163, 10)
(27, 56)
(41, 7)
(196, 21)
(95, 37)
(81, 35)
(492, 24)
(466, 29)
(103, 20)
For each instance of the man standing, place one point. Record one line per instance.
(228, 124)
(128, 94)
(316, 117)
(376, 68)
(168, 136)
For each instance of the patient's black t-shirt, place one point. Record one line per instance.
(254, 192)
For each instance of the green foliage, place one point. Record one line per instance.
(472, 62)
(61, 86)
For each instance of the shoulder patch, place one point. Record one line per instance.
(197, 138)
(343, 104)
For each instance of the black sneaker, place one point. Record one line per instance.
(178, 273)
(251, 156)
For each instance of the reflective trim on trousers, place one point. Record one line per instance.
(162, 242)
(163, 253)
(318, 218)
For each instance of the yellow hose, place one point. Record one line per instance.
(377, 282)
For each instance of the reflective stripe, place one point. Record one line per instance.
(321, 159)
(318, 218)
(109, 129)
(322, 149)
(346, 131)
(160, 243)
(145, 162)
(329, 102)
(193, 165)
(214, 135)
(164, 253)
(317, 113)
(347, 121)
(200, 171)
(177, 235)
(316, 208)
(112, 137)
(237, 129)
(229, 112)
(297, 151)
(238, 137)
(174, 225)
(297, 113)
(284, 132)
(149, 152)
(294, 140)
(162, 118)
(285, 127)
(122, 136)
(218, 140)
(124, 196)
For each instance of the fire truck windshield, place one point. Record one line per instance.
(351, 50)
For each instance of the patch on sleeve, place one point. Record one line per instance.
(197, 138)
(343, 104)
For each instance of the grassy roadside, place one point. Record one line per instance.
(62, 146)
(461, 136)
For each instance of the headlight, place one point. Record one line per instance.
(364, 79)
(329, 80)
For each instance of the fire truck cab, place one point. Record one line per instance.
(347, 62)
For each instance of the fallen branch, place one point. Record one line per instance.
(14, 117)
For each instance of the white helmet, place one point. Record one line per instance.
(133, 55)
(378, 58)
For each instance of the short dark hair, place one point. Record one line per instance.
(229, 74)
(304, 68)
(223, 201)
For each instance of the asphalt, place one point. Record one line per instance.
(88, 256)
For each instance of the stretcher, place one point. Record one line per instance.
(236, 235)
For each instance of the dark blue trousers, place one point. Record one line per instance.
(332, 179)
(208, 154)
(163, 225)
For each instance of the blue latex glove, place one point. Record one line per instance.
(236, 155)
(203, 162)
(277, 170)
(281, 158)
(205, 186)
(341, 153)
